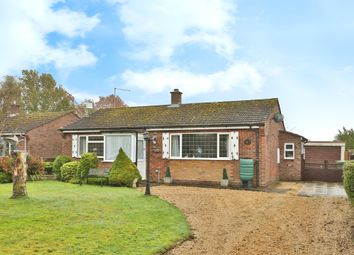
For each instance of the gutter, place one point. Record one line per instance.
(172, 128)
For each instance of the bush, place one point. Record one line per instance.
(5, 177)
(123, 171)
(68, 171)
(6, 168)
(6, 164)
(35, 166)
(57, 164)
(88, 160)
(348, 179)
(48, 167)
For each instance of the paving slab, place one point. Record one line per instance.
(323, 189)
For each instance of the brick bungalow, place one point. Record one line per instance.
(195, 140)
(37, 133)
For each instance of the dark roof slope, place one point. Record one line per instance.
(26, 122)
(185, 115)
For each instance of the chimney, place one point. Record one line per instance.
(176, 97)
(14, 110)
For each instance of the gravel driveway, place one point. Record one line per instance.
(244, 222)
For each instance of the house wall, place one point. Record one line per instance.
(318, 154)
(207, 172)
(269, 144)
(46, 141)
(290, 170)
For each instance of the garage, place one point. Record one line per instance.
(323, 161)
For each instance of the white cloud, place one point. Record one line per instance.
(82, 95)
(238, 75)
(24, 27)
(159, 27)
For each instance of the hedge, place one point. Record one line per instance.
(348, 179)
(68, 171)
(5, 177)
(123, 171)
(58, 162)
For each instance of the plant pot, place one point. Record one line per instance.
(167, 180)
(224, 182)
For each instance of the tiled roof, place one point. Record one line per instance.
(246, 112)
(26, 122)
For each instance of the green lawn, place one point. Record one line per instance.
(63, 218)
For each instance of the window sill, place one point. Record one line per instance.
(206, 159)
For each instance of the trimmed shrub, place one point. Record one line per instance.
(35, 166)
(348, 179)
(68, 171)
(88, 160)
(58, 162)
(48, 167)
(224, 174)
(5, 177)
(168, 172)
(123, 171)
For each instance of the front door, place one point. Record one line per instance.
(142, 156)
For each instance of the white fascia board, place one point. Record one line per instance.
(81, 131)
(7, 134)
(325, 144)
(201, 128)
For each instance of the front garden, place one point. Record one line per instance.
(62, 218)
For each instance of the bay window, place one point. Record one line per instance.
(200, 146)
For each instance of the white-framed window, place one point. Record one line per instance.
(289, 151)
(200, 146)
(91, 143)
(113, 143)
(106, 146)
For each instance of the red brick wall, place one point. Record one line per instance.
(270, 142)
(318, 154)
(46, 141)
(290, 170)
(210, 171)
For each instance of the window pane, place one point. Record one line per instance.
(141, 149)
(199, 145)
(223, 145)
(289, 154)
(97, 148)
(289, 146)
(2, 149)
(175, 146)
(95, 138)
(82, 146)
(114, 143)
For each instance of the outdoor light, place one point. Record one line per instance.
(147, 140)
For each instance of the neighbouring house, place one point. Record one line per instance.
(196, 140)
(36, 133)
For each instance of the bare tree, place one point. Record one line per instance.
(19, 176)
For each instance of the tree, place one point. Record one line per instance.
(346, 136)
(10, 93)
(110, 101)
(41, 93)
(19, 176)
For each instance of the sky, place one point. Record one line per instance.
(301, 52)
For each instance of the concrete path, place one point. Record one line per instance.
(325, 189)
